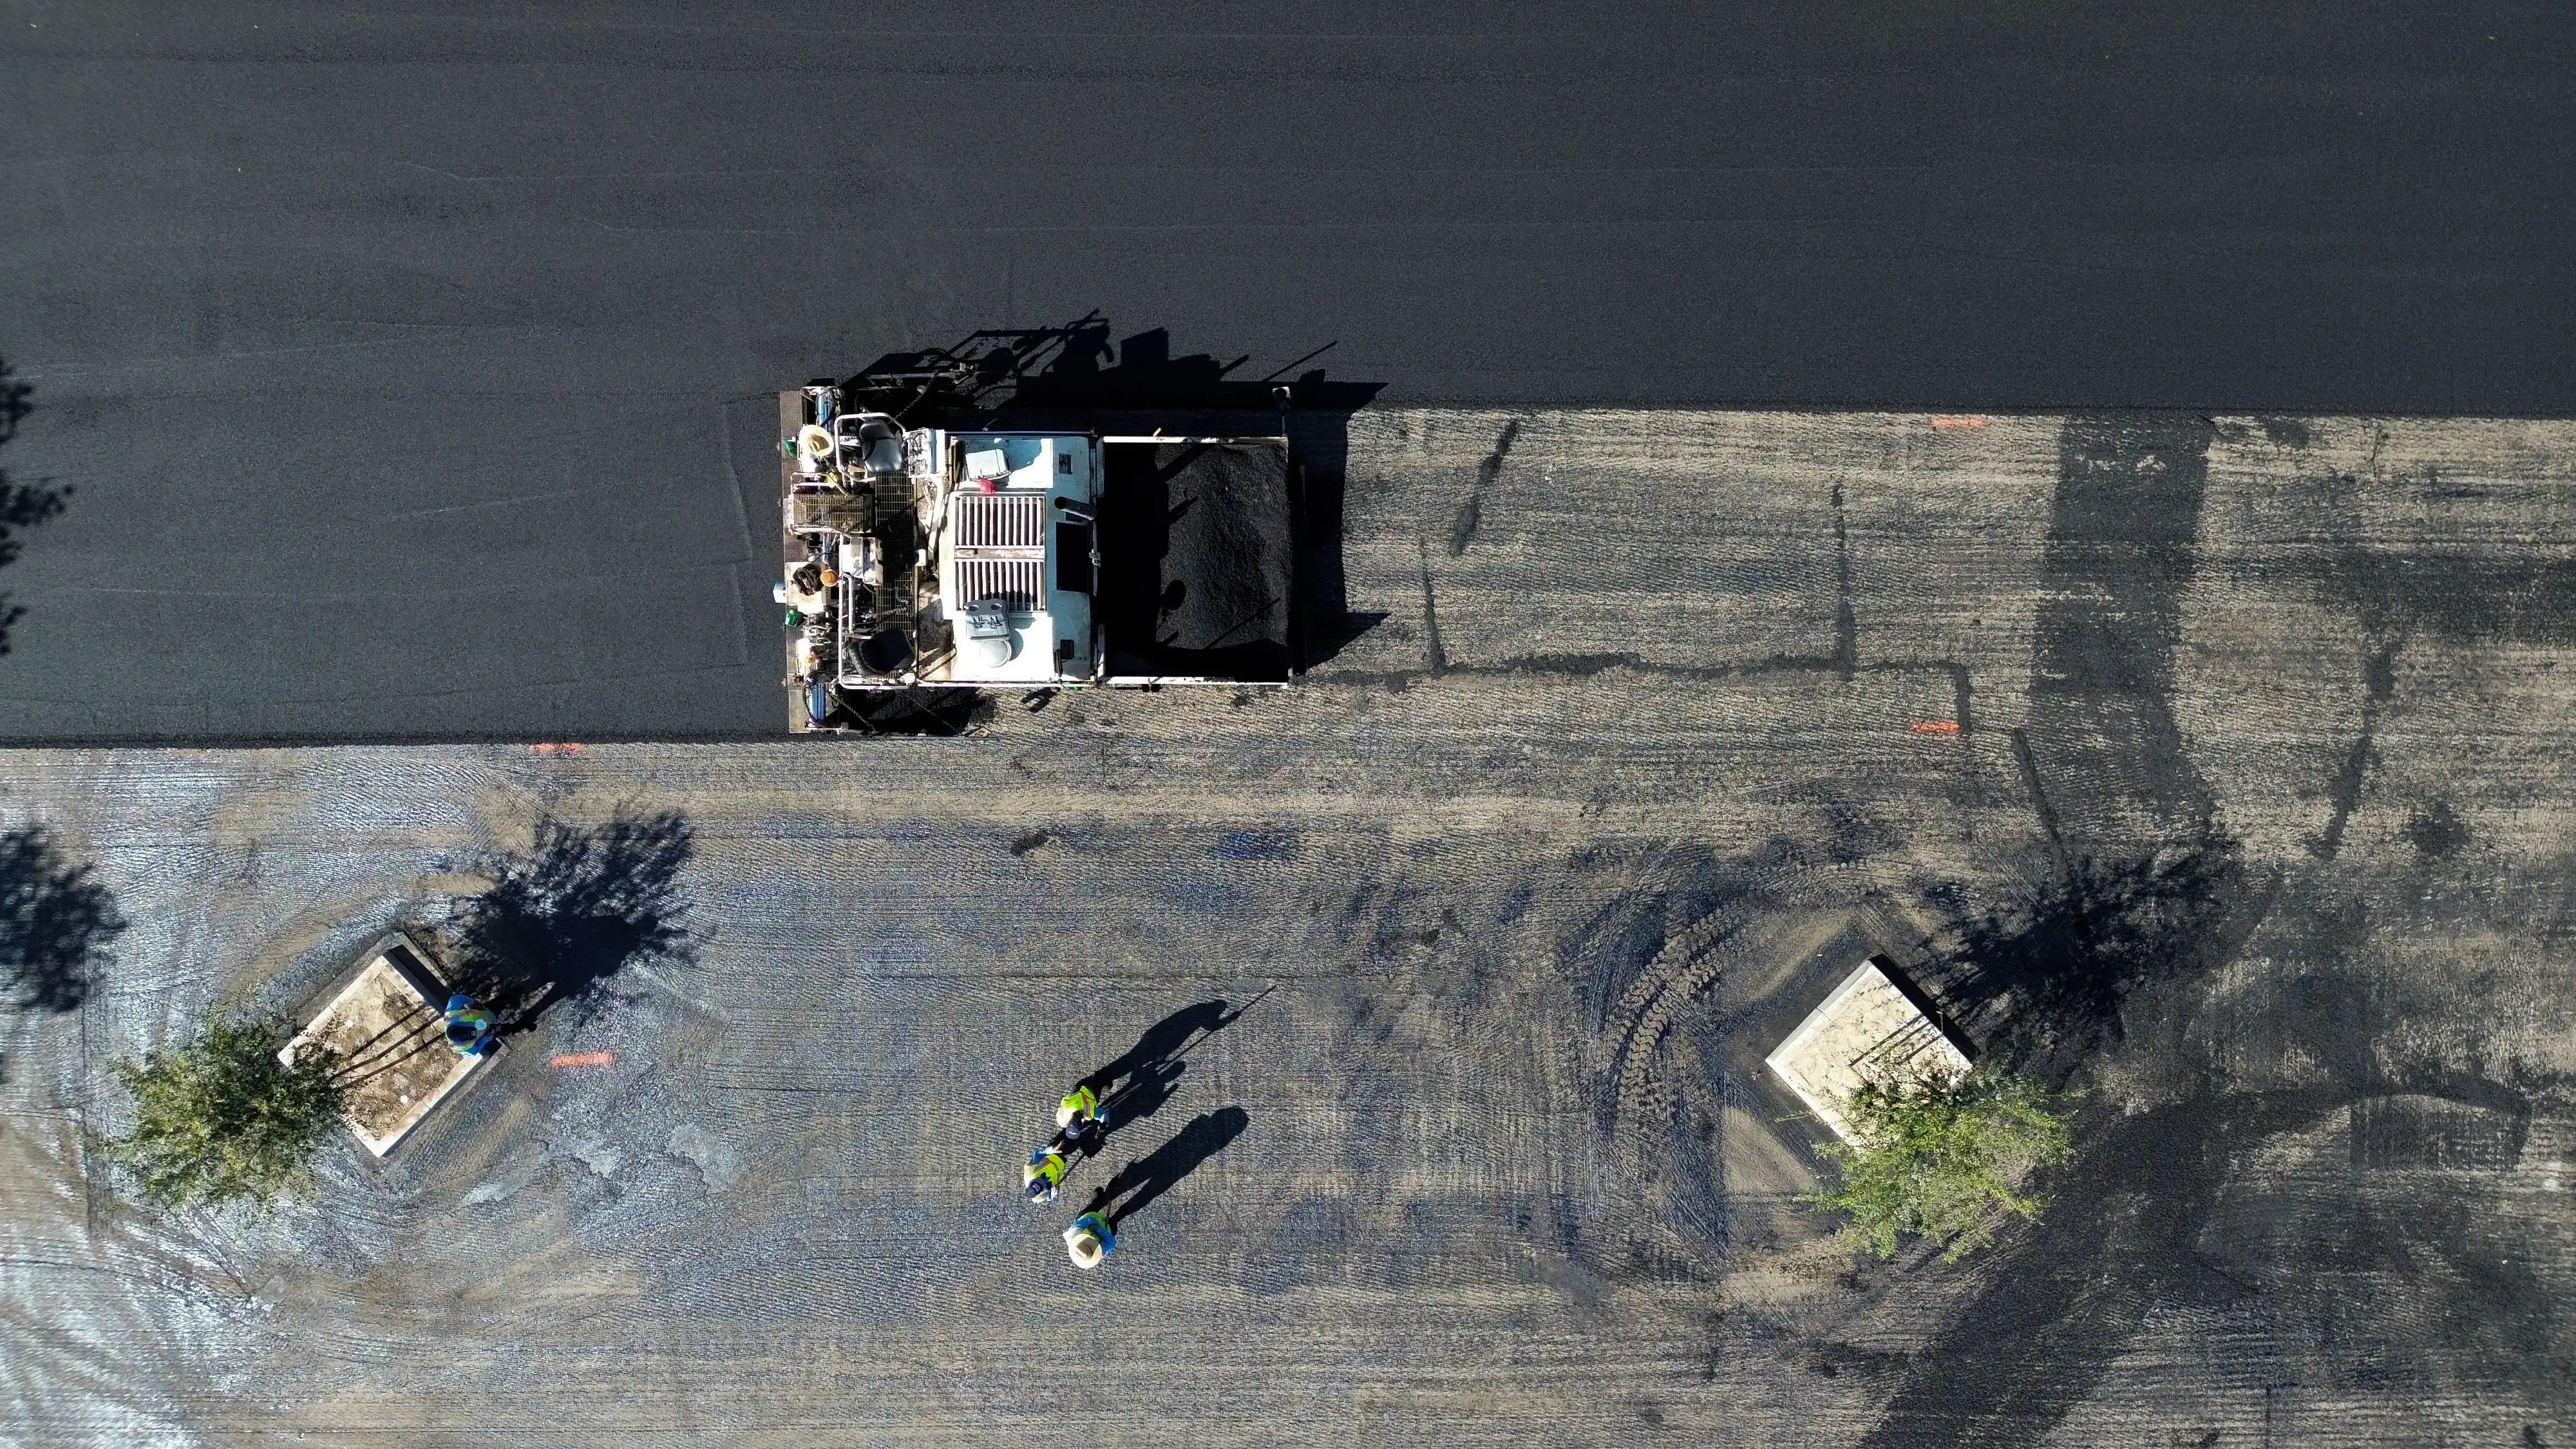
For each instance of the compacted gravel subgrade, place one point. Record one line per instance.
(1645, 728)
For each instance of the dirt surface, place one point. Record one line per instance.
(1618, 773)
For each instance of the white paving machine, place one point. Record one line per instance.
(934, 544)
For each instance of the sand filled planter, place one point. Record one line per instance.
(387, 1026)
(1866, 1027)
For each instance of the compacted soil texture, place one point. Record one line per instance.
(2214, 767)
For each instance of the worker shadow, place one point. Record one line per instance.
(1162, 1045)
(583, 904)
(1141, 1079)
(1139, 1183)
(1138, 1096)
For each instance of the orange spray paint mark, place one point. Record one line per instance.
(1934, 727)
(583, 1059)
(568, 749)
(1958, 422)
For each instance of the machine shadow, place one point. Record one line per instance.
(922, 710)
(1074, 377)
(56, 922)
(563, 920)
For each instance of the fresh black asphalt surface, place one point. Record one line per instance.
(410, 366)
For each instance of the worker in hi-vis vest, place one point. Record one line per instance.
(1044, 1174)
(1080, 1113)
(1089, 1240)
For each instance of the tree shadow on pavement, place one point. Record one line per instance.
(582, 905)
(2129, 1236)
(56, 922)
(1158, 1172)
(22, 505)
(2044, 976)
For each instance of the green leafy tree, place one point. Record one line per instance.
(222, 1120)
(1943, 1158)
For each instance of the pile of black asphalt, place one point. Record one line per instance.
(1196, 560)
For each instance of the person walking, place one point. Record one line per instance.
(1044, 1175)
(1080, 1113)
(1089, 1240)
(1080, 1126)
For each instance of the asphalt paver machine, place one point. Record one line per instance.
(936, 538)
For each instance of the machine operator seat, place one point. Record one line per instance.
(871, 440)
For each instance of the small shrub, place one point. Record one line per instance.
(221, 1119)
(1943, 1158)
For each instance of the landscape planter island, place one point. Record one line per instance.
(388, 1026)
(1868, 1027)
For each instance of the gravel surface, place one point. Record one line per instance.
(1640, 743)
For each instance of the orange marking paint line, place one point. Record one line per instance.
(1934, 727)
(566, 749)
(583, 1059)
(1958, 422)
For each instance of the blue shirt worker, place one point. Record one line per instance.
(1089, 1240)
(469, 1027)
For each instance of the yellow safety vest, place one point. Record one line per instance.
(1049, 1166)
(1081, 1102)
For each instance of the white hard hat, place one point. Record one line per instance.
(1084, 1246)
(1063, 1115)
